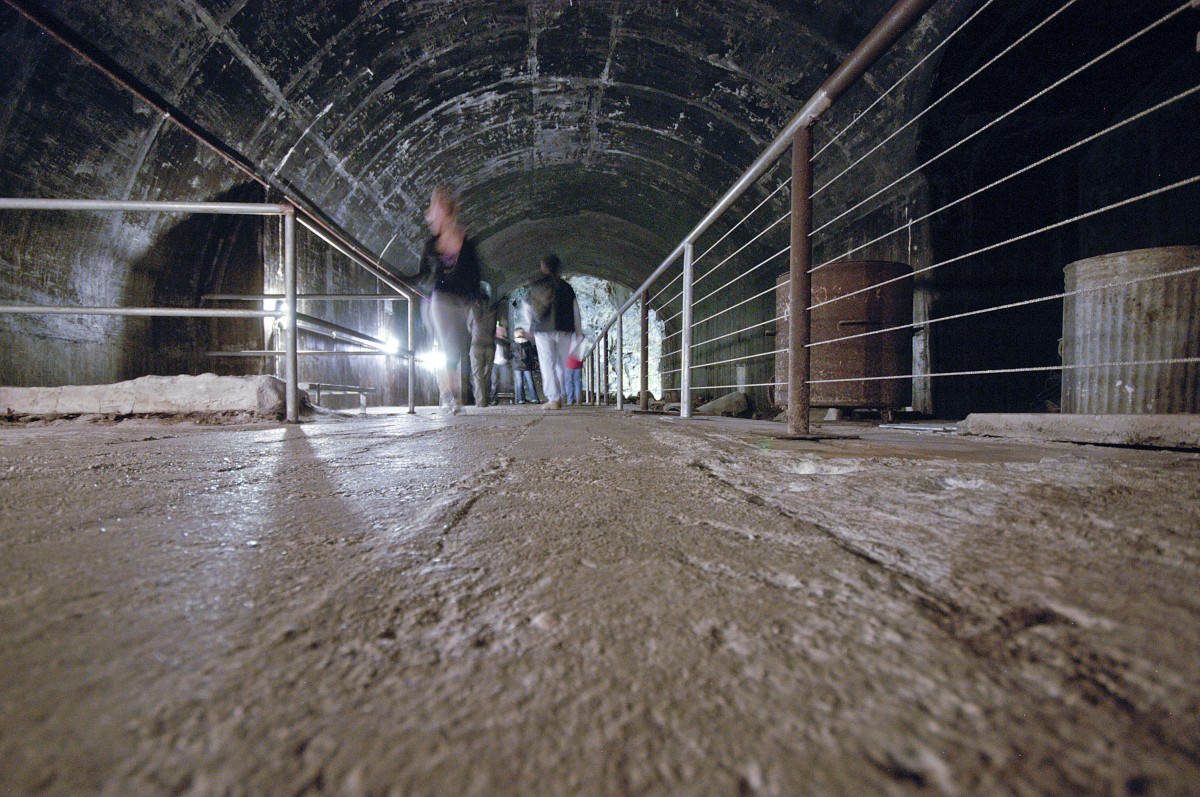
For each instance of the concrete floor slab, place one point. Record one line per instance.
(1162, 431)
(586, 602)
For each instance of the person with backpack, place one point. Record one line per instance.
(482, 324)
(552, 315)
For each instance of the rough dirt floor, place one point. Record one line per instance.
(592, 603)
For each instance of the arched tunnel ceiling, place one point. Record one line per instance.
(604, 129)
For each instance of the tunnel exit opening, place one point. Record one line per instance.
(599, 299)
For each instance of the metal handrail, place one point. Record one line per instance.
(294, 320)
(312, 297)
(898, 19)
(152, 312)
(895, 22)
(307, 218)
(221, 208)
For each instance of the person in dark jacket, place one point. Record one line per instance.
(451, 263)
(524, 360)
(552, 312)
(482, 323)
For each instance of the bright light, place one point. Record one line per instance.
(391, 345)
(432, 360)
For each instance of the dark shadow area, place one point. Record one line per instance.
(202, 254)
(1036, 206)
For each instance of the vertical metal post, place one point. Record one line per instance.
(604, 373)
(685, 353)
(620, 362)
(412, 357)
(800, 287)
(292, 367)
(644, 357)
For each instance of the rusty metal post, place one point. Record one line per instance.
(620, 362)
(589, 368)
(644, 385)
(800, 286)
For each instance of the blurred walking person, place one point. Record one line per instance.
(452, 259)
(552, 312)
(482, 323)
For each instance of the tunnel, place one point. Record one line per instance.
(970, 585)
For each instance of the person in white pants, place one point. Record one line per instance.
(552, 315)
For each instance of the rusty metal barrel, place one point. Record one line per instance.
(886, 354)
(1132, 308)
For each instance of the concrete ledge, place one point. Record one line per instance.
(207, 393)
(1159, 431)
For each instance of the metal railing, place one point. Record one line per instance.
(705, 290)
(292, 320)
(298, 210)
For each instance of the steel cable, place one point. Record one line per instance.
(742, 248)
(697, 366)
(729, 232)
(678, 276)
(1011, 305)
(1005, 115)
(1014, 239)
(1165, 103)
(728, 387)
(947, 95)
(1030, 369)
(903, 78)
(774, 320)
(743, 220)
(745, 274)
(731, 308)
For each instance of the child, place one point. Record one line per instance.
(524, 360)
(574, 387)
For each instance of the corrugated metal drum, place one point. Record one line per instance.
(1151, 319)
(886, 354)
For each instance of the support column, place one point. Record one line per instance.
(290, 336)
(644, 359)
(621, 362)
(604, 374)
(685, 353)
(588, 370)
(800, 287)
(412, 357)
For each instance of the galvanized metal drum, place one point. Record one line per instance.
(1132, 308)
